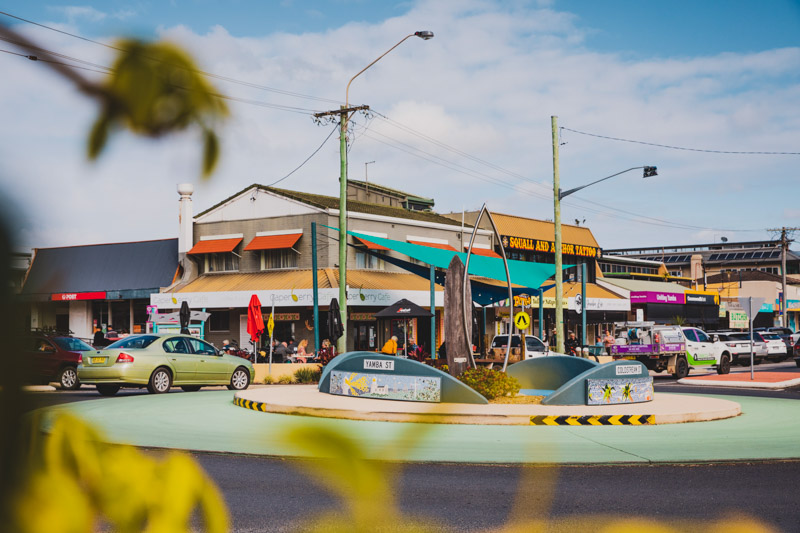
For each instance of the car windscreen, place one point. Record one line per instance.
(741, 336)
(771, 336)
(501, 341)
(71, 344)
(134, 341)
(535, 345)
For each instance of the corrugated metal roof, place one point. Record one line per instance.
(592, 291)
(301, 279)
(639, 285)
(331, 202)
(103, 267)
(543, 230)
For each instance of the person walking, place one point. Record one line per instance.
(608, 341)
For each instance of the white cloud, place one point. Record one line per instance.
(486, 85)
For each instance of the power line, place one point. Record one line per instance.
(307, 159)
(208, 74)
(677, 147)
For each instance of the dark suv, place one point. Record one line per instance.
(53, 358)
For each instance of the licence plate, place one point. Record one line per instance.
(97, 360)
(631, 357)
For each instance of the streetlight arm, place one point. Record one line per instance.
(648, 171)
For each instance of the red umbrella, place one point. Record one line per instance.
(255, 321)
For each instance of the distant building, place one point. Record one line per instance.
(372, 193)
(20, 262)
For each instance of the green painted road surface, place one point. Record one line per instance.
(768, 429)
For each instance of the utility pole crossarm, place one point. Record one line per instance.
(341, 111)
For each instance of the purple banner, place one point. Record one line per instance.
(630, 349)
(650, 297)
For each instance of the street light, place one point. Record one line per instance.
(558, 195)
(344, 114)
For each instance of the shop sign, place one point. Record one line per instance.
(600, 304)
(738, 320)
(549, 301)
(702, 299)
(362, 317)
(71, 296)
(536, 245)
(285, 317)
(652, 297)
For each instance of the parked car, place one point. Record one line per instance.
(53, 358)
(776, 347)
(161, 361)
(534, 347)
(760, 350)
(784, 333)
(738, 348)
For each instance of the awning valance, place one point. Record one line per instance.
(371, 245)
(273, 242)
(213, 246)
(440, 246)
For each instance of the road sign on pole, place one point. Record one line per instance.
(522, 320)
(751, 308)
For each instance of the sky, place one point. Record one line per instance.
(706, 91)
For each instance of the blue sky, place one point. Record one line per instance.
(463, 118)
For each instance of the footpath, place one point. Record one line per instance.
(764, 379)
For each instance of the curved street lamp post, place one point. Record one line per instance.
(344, 117)
(558, 195)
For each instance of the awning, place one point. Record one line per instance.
(523, 273)
(484, 252)
(213, 246)
(371, 245)
(273, 242)
(434, 245)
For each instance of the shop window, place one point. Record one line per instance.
(279, 258)
(221, 262)
(367, 261)
(219, 321)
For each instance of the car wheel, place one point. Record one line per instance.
(190, 388)
(240, 379)
(724, 365)
(681, 368)
(108, 390)
(68, 378)
(160, 381)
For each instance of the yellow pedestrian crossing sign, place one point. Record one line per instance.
(522, 320)
(270, 325)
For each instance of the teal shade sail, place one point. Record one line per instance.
(523, 273)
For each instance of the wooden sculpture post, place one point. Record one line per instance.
(458, 346)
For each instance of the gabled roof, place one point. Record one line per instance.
(332, 202)
(103, 267)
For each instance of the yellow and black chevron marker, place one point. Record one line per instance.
(594, 420)
(249, 404)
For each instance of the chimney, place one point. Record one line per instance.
(185, 234)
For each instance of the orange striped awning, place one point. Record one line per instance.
(435, 245)
(484, 251)
(274, 242)
(213, 246)
(370, 245)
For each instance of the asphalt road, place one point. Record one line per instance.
(269, 494)
(275, 495)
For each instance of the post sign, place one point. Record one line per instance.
(522, 320)
(270, 325)
(72, 296)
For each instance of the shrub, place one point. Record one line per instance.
(268, 379)
(286, 379)
(308, 375)
(489, 382)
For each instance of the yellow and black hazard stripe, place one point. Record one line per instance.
(594, 420)
(250, 404)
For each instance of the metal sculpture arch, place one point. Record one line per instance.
(465, 309)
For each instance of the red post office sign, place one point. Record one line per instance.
(70, 296)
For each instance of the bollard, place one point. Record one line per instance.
(585, 353)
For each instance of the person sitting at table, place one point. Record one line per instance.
(301, 355)
(390, 348)
(281, 353)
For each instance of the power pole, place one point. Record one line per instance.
(344, 117)
(785, 240)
